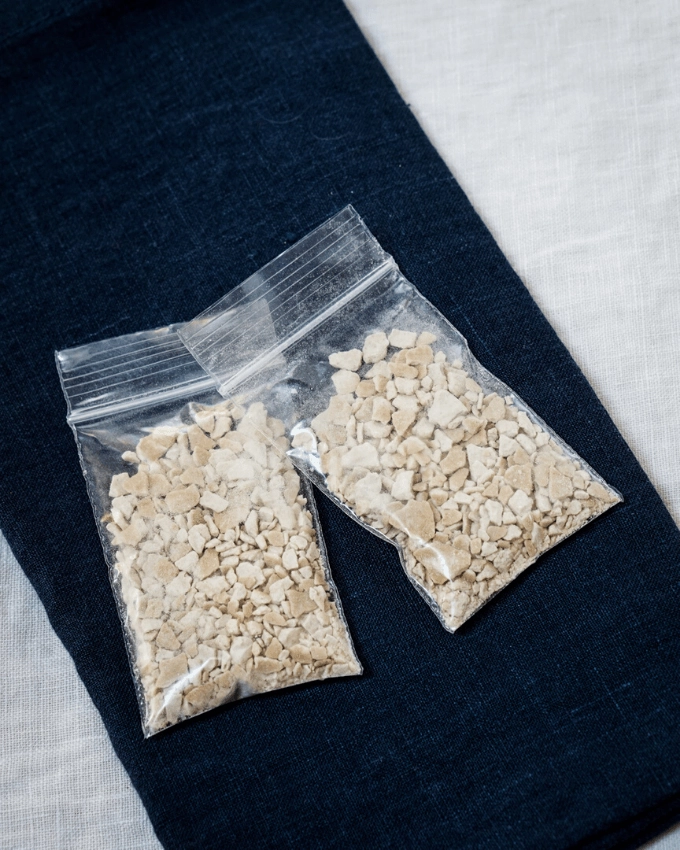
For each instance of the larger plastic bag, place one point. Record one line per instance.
(390, 414)
(213, 543)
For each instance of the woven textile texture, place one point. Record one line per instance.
(61, 786)
(160, 154)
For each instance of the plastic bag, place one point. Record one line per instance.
(213, 543)
(390, 414)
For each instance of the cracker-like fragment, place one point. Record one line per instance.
(182, 499)
(349, 360)
(375, 347)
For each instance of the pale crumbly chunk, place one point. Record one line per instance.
(469, 487)
(219, 567)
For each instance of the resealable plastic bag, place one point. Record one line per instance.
(390, 414)
(212, 539)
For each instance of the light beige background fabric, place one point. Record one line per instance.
(61, 785)
(560, 122)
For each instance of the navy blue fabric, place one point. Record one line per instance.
(154, 155)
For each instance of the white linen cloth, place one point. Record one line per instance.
(559, 121)
(61, 784)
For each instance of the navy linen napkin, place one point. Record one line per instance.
(154, 155)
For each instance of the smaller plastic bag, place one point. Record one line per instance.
(390, 414)
(212, 539)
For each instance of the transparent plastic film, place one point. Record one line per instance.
(212, 540)
(390, 414)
